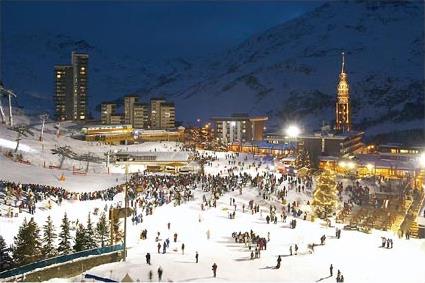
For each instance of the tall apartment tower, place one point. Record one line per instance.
(141, 116)
(71, 89)
(64, 92)
(129, 102)
(155, 112)
(343, 107)
(107, 110)
(80, 71)
(168, 115)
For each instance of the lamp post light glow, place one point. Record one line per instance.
(369, 166)
(293, 131)
(422, 160)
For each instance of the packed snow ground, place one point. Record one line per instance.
(357, 255)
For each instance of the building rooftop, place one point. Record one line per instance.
(380, 161)
(157, 156)
(240, 117)
(266, 145)
(333, 135)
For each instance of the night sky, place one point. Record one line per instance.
(164, 29)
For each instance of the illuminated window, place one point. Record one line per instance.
(58, 76)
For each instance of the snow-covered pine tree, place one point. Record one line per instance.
(49, 236)
(80, 238)
(90, 241)
(27, 246)
(102, 230)
(6, 261)
(64, 237)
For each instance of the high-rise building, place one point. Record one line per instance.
(168, 115)
(140, 116)
(129, 102)
(343, 107)
(71, 91)
(107, 110)
(63, 91)
(155, 112)
(240, 128)
(80, 71)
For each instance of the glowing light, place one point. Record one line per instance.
(422, 160)
(293, 131)
(351, 165)
(369, 166)
(342, 164)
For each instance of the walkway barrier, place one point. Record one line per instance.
(98, 278)
(58, 260)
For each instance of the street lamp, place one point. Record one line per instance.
(293, 131)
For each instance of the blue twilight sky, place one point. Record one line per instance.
(156, 29)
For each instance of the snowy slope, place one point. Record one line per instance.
(288, 72)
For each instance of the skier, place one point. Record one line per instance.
(183, 249)
(148, 258)
(331, 268)
(196, 257)
(159, 273)
(279, 259)
(290, 250)
(296, 249)
(150, 275)
(159, 247)
(168, 225)
(175, 237)
(214, 269)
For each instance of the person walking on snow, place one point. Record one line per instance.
(279, 259)
(148, 258)
(159, 273)
(214, 269)
(331, 268)
(196, 257)
(183, 249)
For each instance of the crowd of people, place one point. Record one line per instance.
(147, 192)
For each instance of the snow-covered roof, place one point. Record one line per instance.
(156, 156)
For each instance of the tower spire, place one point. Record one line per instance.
(343, 62)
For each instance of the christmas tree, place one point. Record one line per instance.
(302, 159)
(65, 237)
(80, 238)
(325, 196)
(6, 261)
(89, 241)
(27, 246)
(49, 236)
(102, 230)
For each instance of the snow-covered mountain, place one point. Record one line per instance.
(288, 72)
